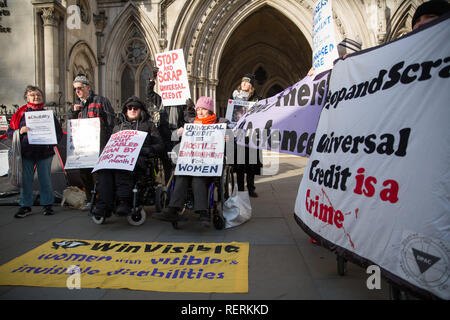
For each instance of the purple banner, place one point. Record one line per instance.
(286, 122)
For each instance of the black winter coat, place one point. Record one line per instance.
(153, 144)
(35, 151)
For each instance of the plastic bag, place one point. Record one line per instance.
(15, 161)
(237, 209)
(74, 197)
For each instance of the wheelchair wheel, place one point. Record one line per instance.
(161, 198)
(218, 222)
(137, 217)
(98, 220)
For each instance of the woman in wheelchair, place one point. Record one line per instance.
(120, 183)
(204, 115)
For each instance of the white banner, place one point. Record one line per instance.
(42, 127)
(377, 182)
(201, 150)
(324, 40)
(122, 151)
(83, 143)
(172, 77)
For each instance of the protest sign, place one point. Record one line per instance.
(122, 151)
(42, 127)
(376, 186)
(236, 109)
(83, 143)
(324, 42)
(3, 123)
(155, 266)
(201, 150)
(293, 113)
(172, 77)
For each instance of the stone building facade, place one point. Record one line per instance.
(47, 42)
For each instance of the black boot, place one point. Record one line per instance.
(205, 218)
(168, 214)
(124, 208)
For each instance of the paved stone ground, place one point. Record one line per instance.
(283, 264)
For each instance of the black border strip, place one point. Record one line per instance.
(364, 263)
(426, 26)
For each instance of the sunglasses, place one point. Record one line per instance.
(135, 108)
(78, 88)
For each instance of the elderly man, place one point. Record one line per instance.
(91, 105)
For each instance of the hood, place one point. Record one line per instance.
(135, 100)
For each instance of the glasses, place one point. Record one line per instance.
(133, 108)
(79, 88)
(37, 95)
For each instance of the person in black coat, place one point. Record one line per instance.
(121, 182)
(246, 92)
(168, 120)
(34, 155)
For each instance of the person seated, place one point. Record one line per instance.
(120, 183)
(204, 115)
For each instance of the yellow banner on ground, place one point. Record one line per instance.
(169, 267)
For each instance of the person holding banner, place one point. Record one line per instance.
(246, 92)
(91, 105)
(33, 155)
(120, 183)
(205, 115)
(429, 11)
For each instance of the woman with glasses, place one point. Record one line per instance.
(34, 155)
(119, 183)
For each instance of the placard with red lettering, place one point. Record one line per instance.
(121, 151)
(201, 150)
(376, 187)
(172, 77)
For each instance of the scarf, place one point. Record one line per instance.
(208, 120)
(15, 119)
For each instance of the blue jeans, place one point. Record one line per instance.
(43, 167)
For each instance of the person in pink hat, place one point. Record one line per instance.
(204, 115)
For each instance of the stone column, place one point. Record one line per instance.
(51, 19)
(100, 21)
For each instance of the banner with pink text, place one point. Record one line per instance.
(376, 187)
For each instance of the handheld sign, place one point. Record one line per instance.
(236, 109)
(3, 123)
(172, 77)
(324, 42)
(83, 143)
(42, 127)
(121, 151)
(201, 150)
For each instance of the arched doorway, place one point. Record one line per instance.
(268, 45)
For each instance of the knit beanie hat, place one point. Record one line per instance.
(206, 103)
(249, 78)
(82, 79)
(437, 7)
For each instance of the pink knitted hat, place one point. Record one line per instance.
(206, 103)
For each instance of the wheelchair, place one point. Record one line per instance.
(219, 190)
(144, 193)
